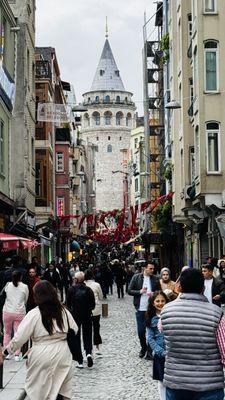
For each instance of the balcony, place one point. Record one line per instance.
(43, 70)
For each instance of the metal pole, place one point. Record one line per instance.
(146, 122)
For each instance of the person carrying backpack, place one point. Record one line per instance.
(81, 302)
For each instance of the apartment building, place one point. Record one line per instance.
(23, 122)
(7, 96)
(196, 121)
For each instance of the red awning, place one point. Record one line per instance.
(10, 242)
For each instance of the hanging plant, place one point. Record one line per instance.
(168, 173)
(164, 46)
(163, 216)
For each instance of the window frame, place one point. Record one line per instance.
(57, 162)
(216, 51)
(109, 148)
(108, 118)
(97, 118)
(217, 131)
(210, 11)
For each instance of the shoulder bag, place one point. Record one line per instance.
(72, 340)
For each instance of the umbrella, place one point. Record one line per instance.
(11, 242)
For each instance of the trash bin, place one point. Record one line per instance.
(105, 310)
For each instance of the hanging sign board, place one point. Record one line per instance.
(50, 112)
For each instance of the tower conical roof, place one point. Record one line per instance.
(107, 76)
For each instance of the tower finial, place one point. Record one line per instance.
(106, 29)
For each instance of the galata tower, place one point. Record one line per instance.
(107, 124)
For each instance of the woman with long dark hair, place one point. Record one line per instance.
(14, 309)
(49, 367)
(155, 338)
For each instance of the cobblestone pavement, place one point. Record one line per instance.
(120, 374)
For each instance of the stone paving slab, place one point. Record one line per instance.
(14, 374)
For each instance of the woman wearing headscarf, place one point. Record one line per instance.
(167, 285)
(49, 366)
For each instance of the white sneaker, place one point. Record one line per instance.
(89, 361)
(80, 366)
(18, 358)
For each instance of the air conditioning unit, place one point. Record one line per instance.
(189, 192)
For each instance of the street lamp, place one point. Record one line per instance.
(173, 105)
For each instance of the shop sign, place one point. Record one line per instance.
(7, 85)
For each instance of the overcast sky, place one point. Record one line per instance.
(76, 28)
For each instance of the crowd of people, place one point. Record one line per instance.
(179, 323)
(186, 337)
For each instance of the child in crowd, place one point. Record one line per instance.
(155, 338)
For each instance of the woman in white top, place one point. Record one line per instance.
(14, 308)
(49, 366)
(96, 313)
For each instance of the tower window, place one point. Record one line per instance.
(101, 72)
(107, 99)
(107, 116)
(108, 137)
(117, 73)
(109, 148)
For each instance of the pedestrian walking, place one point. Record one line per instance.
(32, 280)
(81, 303)
(14, 309)
(141, 287)
(214, 288)
(168, 286)
(120, 279)
(193, 331)
(96, 313)
(52, 275)
(155, 338)
(49, 366)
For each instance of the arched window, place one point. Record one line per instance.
(97, 99)
(213, 146)
(109, 148)
(96, 117)
(128, 119)
(107, 99)
(119, 117)
(125, 99)
(117, 99)
(108, 116)
(211, 65)
(86, 120)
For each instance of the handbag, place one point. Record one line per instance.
(72, 340)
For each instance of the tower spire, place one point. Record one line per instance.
(106, 28)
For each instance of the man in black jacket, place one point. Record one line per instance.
(81, 302)
(214, 288)
(142, 286)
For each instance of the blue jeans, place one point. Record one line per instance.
(141, 329)
(174, 394)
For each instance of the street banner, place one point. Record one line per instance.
(50, 112)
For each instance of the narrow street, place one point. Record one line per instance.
(120, 374)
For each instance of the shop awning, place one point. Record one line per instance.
(11, 242)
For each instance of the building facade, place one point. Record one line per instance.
(7, 97)
(107, 125)
(23, 123)
(196, 80)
